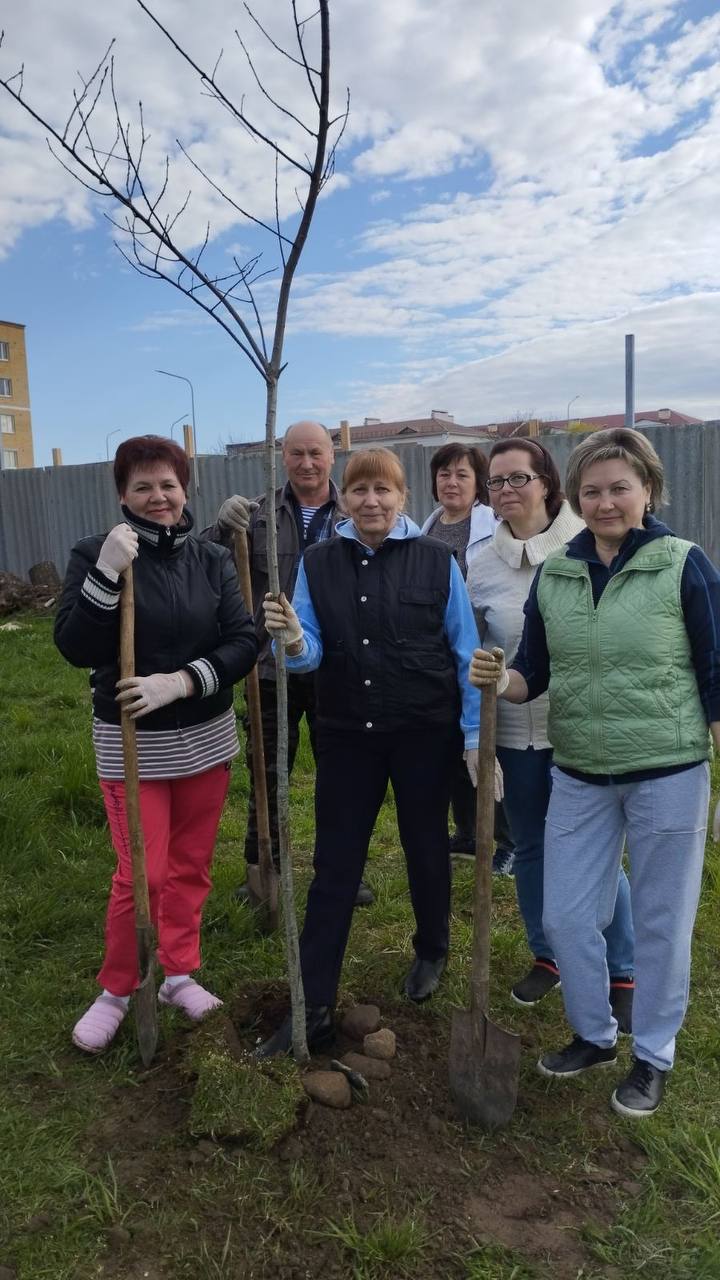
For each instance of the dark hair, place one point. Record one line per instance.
(145, 451)
(457, 452)
(543, 464)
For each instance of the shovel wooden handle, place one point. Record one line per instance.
(130, 758)
(484, 841)
(257, 747)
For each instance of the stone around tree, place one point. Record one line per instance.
(371, 1068)
(329, 1088)
(380, 1044)
(361, 1021)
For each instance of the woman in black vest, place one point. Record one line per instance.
(382, 614)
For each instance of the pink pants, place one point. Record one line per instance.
(180, 818)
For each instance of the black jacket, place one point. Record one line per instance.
(189, 615)
(290, 548)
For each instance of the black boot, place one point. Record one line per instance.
(423, 978)
(320, 1029)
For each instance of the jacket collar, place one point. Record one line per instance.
(287, 495)
(582, 546)
(163, 539)
(536, 549)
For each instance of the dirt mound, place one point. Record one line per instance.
(344, 1188)
(15, 595)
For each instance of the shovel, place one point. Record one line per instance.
(263, 879)
(484, 1059)
(146, 1021)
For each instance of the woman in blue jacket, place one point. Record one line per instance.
(382, 614)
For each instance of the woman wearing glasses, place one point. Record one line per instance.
(525, 492)
(464, 521)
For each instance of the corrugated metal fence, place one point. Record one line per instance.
(45, 510)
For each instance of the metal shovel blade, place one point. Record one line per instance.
(263, 898)
(146, 1018)
(484, 1067)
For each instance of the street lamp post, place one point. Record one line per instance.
(166, 373)
(182, 418)
(108, 438)
(570, 404)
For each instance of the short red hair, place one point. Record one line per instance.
(145, 451)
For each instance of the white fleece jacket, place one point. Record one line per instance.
(498, 582)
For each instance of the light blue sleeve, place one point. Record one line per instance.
(310, 655)
(462, 635)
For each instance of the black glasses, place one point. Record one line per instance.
(516, 480)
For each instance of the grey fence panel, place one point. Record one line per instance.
(24, 505)
(43, 511)
(81, 500)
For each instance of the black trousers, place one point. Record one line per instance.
(301, 702)
(353, 771)
(463, 804)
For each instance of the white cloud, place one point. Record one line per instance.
(577, 142)
(545, 373)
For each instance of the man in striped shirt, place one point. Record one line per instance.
(306, 511)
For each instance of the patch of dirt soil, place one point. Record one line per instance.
(402, 1152)
(16, 594)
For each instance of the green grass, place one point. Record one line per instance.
(82, 1151)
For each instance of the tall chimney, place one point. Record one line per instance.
(345, 435)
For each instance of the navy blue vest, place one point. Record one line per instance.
(387, 663)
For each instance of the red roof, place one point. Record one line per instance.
(416, 428)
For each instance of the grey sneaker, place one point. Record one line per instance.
(641, 1092)
(538, 983)
(578, 1056)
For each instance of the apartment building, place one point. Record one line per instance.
(15, 422)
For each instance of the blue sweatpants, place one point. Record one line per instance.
(664, 822)
(527, 779)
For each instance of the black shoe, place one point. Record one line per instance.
(621, 1003)
(364, 896)
(320, 1027)
(503, 863)
(462, 846)
(641, 1092)
(538, 983)
(422, 980)
(578, 1056)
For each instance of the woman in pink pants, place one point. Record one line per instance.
(193, 640)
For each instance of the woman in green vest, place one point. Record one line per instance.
(622, 629)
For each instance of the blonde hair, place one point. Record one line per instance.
(619, 442)
(374, 464)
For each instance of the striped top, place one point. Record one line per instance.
(172, 753)
(307, 514)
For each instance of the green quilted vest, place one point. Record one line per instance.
(623, 693)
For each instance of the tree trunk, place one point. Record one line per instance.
(292, 945)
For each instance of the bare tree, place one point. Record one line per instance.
(151, 243)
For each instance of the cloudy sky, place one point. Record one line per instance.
(520, 185)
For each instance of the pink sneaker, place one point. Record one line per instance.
(190, 997)
(98, 1025)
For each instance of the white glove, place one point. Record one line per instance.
(489, 668)
(117, 551)
(471, 760)
(235, 513)
(281, 620)
(139, 695)
(499, 781)
(716, 823)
